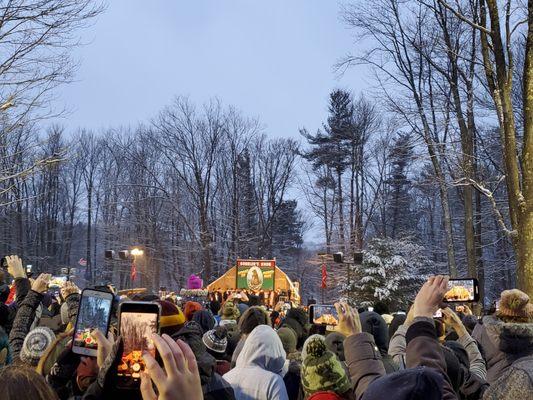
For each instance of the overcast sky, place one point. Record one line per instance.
(272, 59)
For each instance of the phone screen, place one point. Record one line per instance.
(136, 328)
(438, 313)
(93, 313)
(324, 315)
(460, 290)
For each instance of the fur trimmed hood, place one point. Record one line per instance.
(510, 337)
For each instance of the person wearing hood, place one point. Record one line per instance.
(507, 342)
(259, 370)
(252, 317)
(213, 385)
(373, 323)
(383, 309)
(507, 336)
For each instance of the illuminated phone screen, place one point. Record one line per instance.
(136, 328)
(93, 313)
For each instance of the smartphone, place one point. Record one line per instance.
(462, 290)
(323, 314)
(438, 313)
(138, 320)
(94, 312)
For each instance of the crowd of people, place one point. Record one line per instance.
(237, 349)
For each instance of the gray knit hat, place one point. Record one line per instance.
(216, 339)
(35, 344)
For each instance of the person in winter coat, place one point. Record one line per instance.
(213, 385)
(322, 371)
(22, 287)
(426, 377)
(373, 323)
(5, 352)
(252, 317)
(507, 341)
(297, 319)
(507, 336)
(259, 370)
(216, 342)
(293, 377)
(26, 315)
(205, 319)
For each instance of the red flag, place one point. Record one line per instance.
(133, 272)
(324, 276)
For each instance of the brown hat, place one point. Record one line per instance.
(514, 303)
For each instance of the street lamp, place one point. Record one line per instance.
(136, 252)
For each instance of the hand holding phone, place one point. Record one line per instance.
(323, 314)
(180, 377)
(138, 322)
(94, 313)
(462, 290)
(349, 321)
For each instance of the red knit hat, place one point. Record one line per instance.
(190, 308)
(172, 318)
(325, 396)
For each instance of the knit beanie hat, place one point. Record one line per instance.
(251, 318)
(325, 396)
(172, 318)
(515, 303)
(373, 323)
(321, 370)
(335, 344)
(288, 339)
(229, 311)
(190, 308)
(35, 345)
(216, 339)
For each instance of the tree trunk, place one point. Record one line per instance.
(340, 201)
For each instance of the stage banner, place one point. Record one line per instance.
(256, 274)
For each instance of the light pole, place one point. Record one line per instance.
(135, 252)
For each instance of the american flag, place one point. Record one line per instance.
(82, 262)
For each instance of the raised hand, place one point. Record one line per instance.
(430, 296)
(349, 322)
(14, 267)
(40, 285)
(452, 319)
(180, 378)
